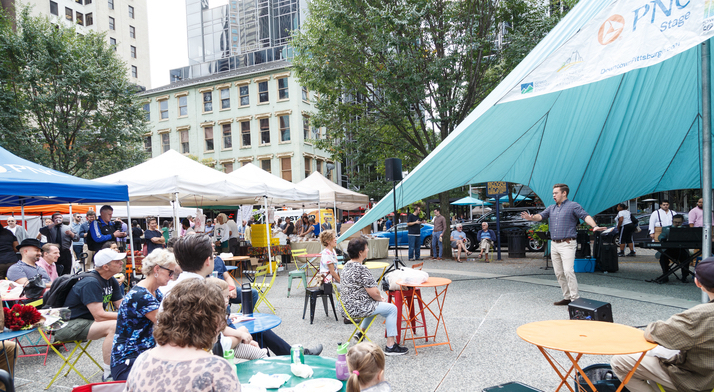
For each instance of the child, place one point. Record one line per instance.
(365, 362)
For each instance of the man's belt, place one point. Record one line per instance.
(566, 240)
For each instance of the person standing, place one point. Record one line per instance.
(8, 250)
(414, 231)
(222, 232)
(153, 237)
(136, 234)
(19, 231)
(62, 235)
(660, 218)
(388, 224)
(696, 215)
(563, 219)
(626, 230)
(83, 234)
(77, 241)
(437, 247)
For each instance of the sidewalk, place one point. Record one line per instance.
(485, 304)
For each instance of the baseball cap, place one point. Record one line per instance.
(106, 256)
(705, 272)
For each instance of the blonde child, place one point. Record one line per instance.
(365, 362)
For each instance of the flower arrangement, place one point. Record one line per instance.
(21, 317)
(535, 229)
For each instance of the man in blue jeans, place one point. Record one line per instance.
(437, 248)
(414, 231)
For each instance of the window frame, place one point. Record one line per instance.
(308, 166)
(206, 139)
(306, 128)
(241, 96)
(225, 167)
(165, 142)
(69, 14)
(132, 32)
(134, 72)
(132, 51)
(305, 94)
(185, 106)
(79, 18)
(204, 102)
(264, 130)
(285, 89)
(113, 42)
(185, 145)
(131, 12)
(270, 165)
(284, 125)
(162, 110)
(88, 19)
(147, 141)
(243, 134)
(262, 93)
(56, 8)
(112, 24)
(110, 4)
(289, 170)
(147, 109)
(224, 100)
(225, 138)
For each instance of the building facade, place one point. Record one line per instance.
(257, 114)
(125, 23)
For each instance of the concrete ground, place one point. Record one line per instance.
(485, 304)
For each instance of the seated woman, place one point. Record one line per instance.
(361, 297)
(244, 350)
(193, 314)
(137, 313)
(457, 242)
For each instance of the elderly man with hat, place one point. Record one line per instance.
(690, 333)
(87, 300)
(27, 268)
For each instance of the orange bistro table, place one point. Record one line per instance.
(584, 337)
(439, 300)
(237, 260)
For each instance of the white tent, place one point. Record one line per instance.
(277, 190)
(149, 211)
(332, 194)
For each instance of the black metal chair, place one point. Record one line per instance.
(311, 294)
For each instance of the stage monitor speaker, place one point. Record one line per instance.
(393, 169)
(588, 309)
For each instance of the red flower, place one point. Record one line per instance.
(21, 317)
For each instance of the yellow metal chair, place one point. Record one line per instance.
(80, 348)
(300, 271)
(264, 286)
(357, 329)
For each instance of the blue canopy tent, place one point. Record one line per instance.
(471, 201)
(606, 103)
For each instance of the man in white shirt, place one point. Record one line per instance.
(660, 218)
(234, 238)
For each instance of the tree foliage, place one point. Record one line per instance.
(65, 99)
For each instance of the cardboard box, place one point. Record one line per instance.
(254, 261)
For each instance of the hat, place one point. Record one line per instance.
(704, 272)
(30, 242)
(106, 256)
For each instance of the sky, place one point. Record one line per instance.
(167, 37)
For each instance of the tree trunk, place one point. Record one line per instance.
(445, 211)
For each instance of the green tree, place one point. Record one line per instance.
(65, 99)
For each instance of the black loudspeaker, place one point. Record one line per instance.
(588, 309)
(393, 169)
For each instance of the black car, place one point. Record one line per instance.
(510, 219)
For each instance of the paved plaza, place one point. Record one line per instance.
(485, 304)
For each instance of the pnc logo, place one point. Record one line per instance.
(611, 29)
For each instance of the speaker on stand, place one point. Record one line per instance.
(393, 172)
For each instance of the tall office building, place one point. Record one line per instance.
(125, 23)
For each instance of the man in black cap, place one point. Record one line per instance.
(27, 268)
(690, 332)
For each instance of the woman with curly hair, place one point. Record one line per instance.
(193, 314)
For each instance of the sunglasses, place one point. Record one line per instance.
(171, 272)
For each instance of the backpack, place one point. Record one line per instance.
(634, 220)
(57, 294)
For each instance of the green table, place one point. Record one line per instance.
(322, 367)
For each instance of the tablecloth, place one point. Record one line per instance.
(378, 248)
(312, 247)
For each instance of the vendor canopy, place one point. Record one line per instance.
(277, 190)
(608, 103)
(332, 194)
(33, 184)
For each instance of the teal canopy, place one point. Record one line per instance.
(626, 133)
(504, 199)
(471, 201)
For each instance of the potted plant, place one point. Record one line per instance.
(539, 232)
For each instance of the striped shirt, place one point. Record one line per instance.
(563, 219)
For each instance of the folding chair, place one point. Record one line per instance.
(111, 386)
(68, 359)
(300, 272)
(359, 329)
(36, 344)
(263, 287)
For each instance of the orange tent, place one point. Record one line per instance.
(48, 209)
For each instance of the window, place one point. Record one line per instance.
(133, 52)
(147, 109)
(165, 142)
(263, 92)
(147, 144)
(318, 166)
(306, 127)
(284, 128)
(245, 133)
(132, 32)
(184, 142)
(183, 106)
(164, 109)
(80, 18)
(113, 42)
(208, 101)
(111, 4)
(208, 135)
(308, 166)
(134, 71)
(265, 165)
(68, 14)
(264, 131)
(283, 89)
(111, 24)
(225, 98)
(131, 12)
(54, 9)
(305, 94)
(287, 170)
(227, 140)
(244, 96)
(228, 167)
(87, 2)
(89, 19)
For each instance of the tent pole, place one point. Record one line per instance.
(22, 211)
(176, 222)
(131, 239)
(706, 155)
(267, 235)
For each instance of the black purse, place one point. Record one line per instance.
(34, 288)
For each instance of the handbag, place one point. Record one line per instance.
(145, 250)
(34, 288)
